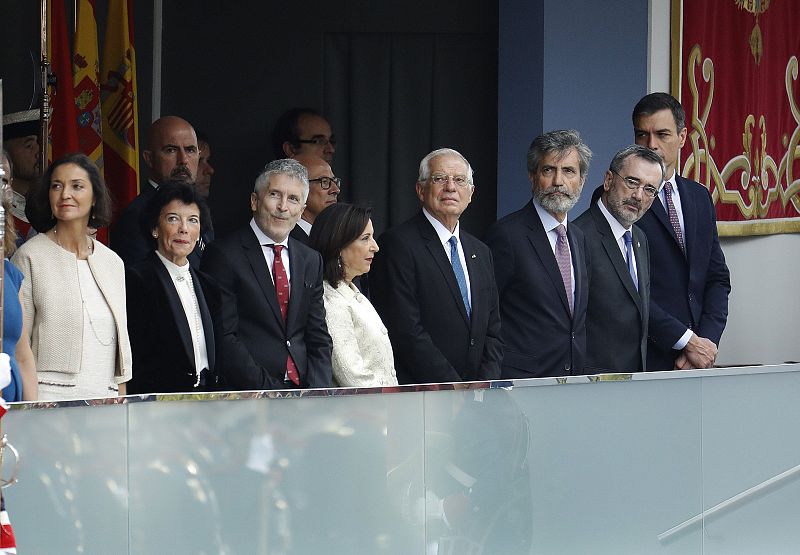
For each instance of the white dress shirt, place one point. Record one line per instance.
(184, 285)
(619, 234)
(444, 236)
(550, 224)
(304, 225)
(269, 255)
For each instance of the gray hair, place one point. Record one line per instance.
(560, 142)
(637, 151)
(285, 166)
(425, 164)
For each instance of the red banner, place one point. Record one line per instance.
(735, 70)
(63, 131)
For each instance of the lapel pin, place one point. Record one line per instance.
(473, 255)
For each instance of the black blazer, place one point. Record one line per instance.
(127, 237)
(298, 233)
(617, 314)
(686, 291)
(256, 341)
(414, 289)
(161, 341)
(541, 338)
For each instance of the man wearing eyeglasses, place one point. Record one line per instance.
(540, 266)
(618, 263)
(323, 191)
(303, 131)
(690, 280)
(433, 284)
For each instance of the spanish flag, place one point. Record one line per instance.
(63, 133)
(86, 81)
(118, 105)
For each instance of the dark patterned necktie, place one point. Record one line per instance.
(629, 256)
(564, 260)
(282, 290)
(673, 215)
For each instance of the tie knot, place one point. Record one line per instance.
(668, 187)
(277, 249)
(453, 241)
(561, 231)
(628, 237)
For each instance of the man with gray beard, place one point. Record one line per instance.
(619, 262)
(540, 265)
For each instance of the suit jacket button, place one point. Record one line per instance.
(566, 369)
(288, 344)
(471, 342)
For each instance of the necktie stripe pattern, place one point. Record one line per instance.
(564, 260)
(458, 270)
(282, 290)
(673, 215)
(629, 256)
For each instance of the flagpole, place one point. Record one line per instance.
(45, 102)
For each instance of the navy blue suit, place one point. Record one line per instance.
(539, 335)
(688, 291)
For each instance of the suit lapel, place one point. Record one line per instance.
(615, 255)
(541, 245)
(205, 317)
(475, 276)
(258, 264)
(436, 251)
(176, 308)
(297, 264)
(660, 212)
(642, 267)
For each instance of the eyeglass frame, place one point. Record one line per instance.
(325, 182)
(442, 179)
(319, 140)
(637, 186)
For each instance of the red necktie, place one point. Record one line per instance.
(282, 290)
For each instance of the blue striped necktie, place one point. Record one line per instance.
(459, 272)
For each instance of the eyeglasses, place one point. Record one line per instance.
(441, 179)
(319, 140)
(326, 182)
(633, 184)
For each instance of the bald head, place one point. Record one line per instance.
(172, 152)
(321, 192)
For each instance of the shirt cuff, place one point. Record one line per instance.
(681, 343)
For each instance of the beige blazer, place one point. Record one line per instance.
(53, 307)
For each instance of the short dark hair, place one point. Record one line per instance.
(656, 102)
(334, 228)
(166, 193)
(286, 129)
(38, 210)
(636, 151)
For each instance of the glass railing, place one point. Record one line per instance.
(689, 462)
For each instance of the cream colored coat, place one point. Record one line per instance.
(54, 311)
(362, 352)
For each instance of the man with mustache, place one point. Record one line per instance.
(540, 266)
(433, 283)
(172, 154)
(618, 262)
(273, 316)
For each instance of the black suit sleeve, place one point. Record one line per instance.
(717, 287)
(127, 237)
(493, 344)
(142, 332)
(238, 368)
(394, 292)
(318, 341)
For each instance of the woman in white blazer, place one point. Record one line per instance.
(362, 352)
(74, 287)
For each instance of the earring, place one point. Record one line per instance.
(339, 262)
(155, 235)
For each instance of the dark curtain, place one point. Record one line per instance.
(392, 98)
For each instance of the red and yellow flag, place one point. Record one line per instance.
(62, 129)
(118, 104)
(86, 79)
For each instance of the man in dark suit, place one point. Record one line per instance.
(618, 262)
(540, 264)
(172, 154)
(433, 283)
(323, 190)
(690, 280)
(273, 315)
